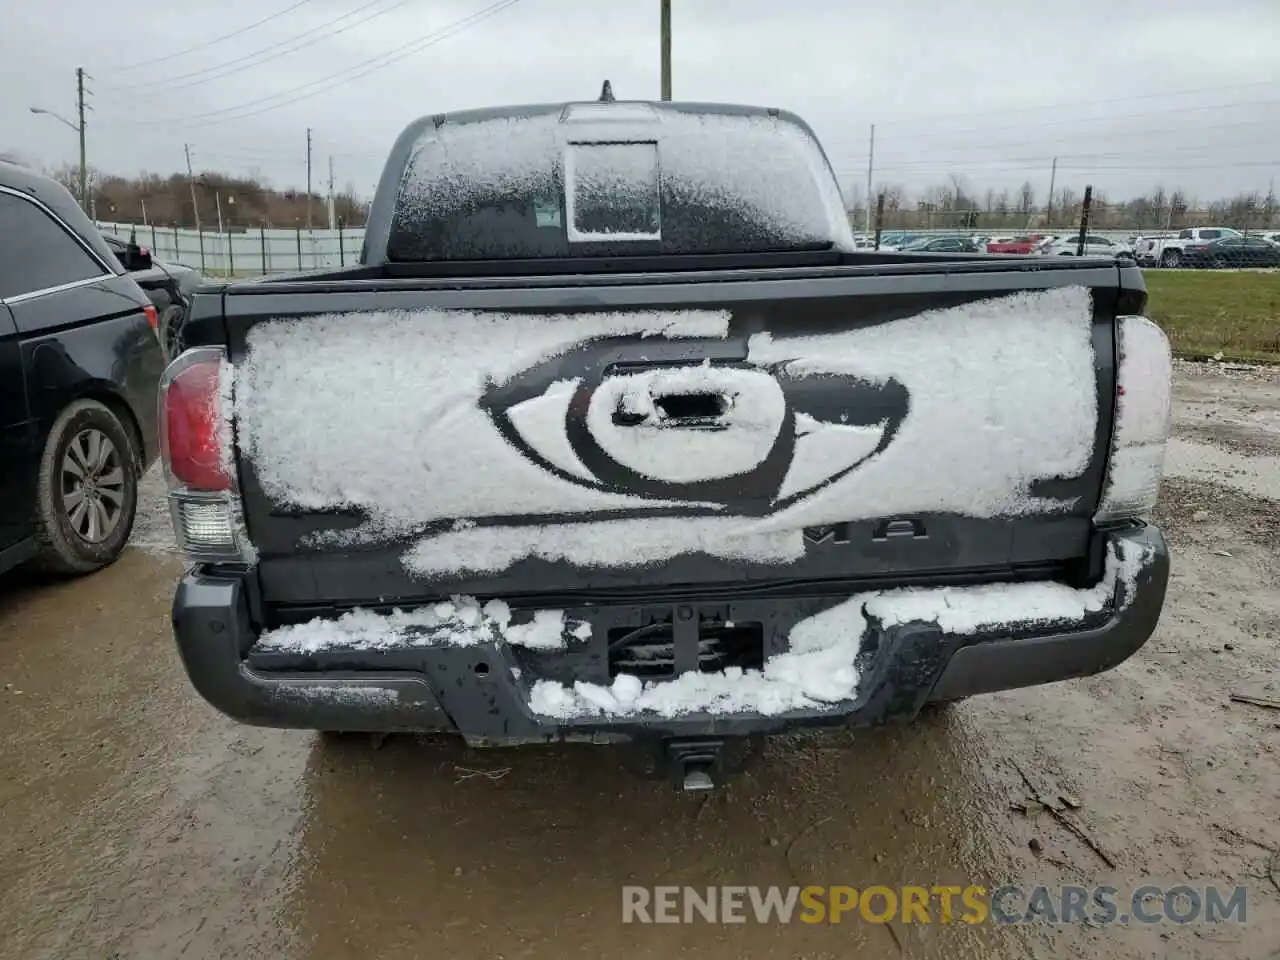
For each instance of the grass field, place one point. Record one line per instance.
(1205, 312)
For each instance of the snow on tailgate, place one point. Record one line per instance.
(369, 410)
(1001, 394)
(819, 668)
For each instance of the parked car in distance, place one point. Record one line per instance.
(809, 438)
(1021, 244)
(1232, 252)
(169, 285)
(896, 240)
(1094, 246)
(80, 365)
(1166, 251)
(941, 245)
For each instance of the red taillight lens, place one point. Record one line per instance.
(152, 316)
(193, 427)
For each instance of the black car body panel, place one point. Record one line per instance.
(89, 338)
(167, 284)
(305, 565)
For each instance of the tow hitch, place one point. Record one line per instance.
(694, 765)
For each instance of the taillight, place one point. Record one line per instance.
(193, 424)
(196, 449)
(153, 317)
(1143, 398)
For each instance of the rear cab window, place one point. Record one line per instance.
(37, 253)
(609, 179)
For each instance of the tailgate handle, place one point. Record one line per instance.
(705, 409)
(893, 529)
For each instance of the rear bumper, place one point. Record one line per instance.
(446, 688)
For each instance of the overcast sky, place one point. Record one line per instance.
(1128, 95)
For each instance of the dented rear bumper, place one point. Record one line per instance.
(481, 692)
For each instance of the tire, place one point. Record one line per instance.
(169, 330)
(1171, 259)
(1220, 263)
(81, 528)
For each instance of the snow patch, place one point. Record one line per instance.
(819, 668)
(601, 543)
(968, 610)
(540, 422)
(1002, 394)
(824, 449)
(226, 417)
(734, 439)
(460, 622)
(544, 632)
(369, 410)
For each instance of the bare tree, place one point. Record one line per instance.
(1026, 198)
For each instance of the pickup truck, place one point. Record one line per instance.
(1168, 251)
(613, 436)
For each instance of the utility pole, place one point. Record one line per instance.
(84, 170)
(1053, 177)
(666, 49)
(871, 161)
(308, 179)
(195, 204)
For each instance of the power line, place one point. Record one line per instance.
(1197, 151)
(944, 168)
(342, 76)
(152, 61)
(275, 50)
(1055, 123)
(1086, 103)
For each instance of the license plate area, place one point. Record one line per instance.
(653, 650)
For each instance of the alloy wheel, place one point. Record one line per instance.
(92, 485)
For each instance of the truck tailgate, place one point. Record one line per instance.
(614, 436)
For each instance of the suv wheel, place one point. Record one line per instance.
(88, 492)
(169, 330)
(1171, 259)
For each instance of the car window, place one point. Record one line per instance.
(1185, 235)
(36, 253)
(1210, 234)
(1101, 241)
(1255, 242)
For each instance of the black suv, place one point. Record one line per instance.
(169, 285)
(80, 364)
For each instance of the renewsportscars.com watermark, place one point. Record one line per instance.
(1102, 905)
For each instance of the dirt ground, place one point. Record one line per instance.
(138, 823)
